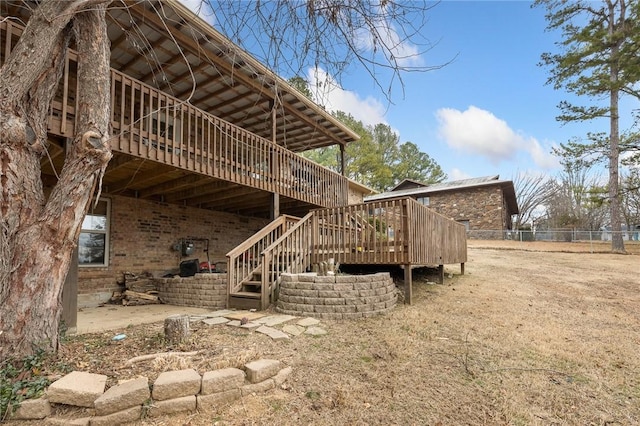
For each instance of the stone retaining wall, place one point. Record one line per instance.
(200, 291)
(172, 392)
(336, 297)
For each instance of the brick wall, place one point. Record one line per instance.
(484, 208)
(200, 291)
(142, 234)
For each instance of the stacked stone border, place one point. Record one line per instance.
(172, 392)
(200, 291)
(337, 296)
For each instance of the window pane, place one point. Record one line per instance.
(91, 249)
(96, 218)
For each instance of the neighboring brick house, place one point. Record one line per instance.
(484, 205)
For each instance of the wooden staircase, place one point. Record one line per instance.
(254, 267)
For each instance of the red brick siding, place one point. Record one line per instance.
(142, 234)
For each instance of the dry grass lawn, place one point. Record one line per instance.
(527, 336)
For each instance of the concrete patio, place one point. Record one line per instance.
(115, 317)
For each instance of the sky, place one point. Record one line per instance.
(489, 111)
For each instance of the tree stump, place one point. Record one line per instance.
(176, 329)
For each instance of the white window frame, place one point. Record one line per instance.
(99, 231)
(423, 200)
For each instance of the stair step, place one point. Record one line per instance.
(246, 294)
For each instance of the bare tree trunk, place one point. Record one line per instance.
(617, 242)
(38, 238)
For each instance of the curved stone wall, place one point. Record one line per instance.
(336, 297)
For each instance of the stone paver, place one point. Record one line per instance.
(176, 384)
(124, 395)
(272, 320)
(220, 313)
(308, 322)
(32, 409)
(262, 369)
(77, 388)
(275, 334)
(169, 406)
(222, 380)
(124, 416)
(251, 326)
(234, 323)
(238, 315)
(215, 321)
(197, 318)
(294, 330)
(316, 331)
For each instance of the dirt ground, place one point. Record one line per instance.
(532, 334)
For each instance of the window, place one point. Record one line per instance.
(465, 223)
(423, 200)
(93, 245)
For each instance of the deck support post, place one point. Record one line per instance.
(462, 268)
(408, 285)
(342, 159)
(274, 206)
(440, 274)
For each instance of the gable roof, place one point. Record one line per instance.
(507, 189)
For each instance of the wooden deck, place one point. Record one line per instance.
(149, 124)
(399, 232)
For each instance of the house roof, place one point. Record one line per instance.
(229, 82)
(197, 64)
(426, 189)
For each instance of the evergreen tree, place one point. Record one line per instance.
(598, 59)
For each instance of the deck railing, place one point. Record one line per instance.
(291, 253)
(151, 124)
(398, 232)
(244, 260)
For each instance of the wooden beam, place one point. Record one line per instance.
(212, 188)
(441, 274)
(274, 205)
(408, 285)
(174, 185)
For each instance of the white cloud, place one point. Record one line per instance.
(457, 174)
(405, 53)
(477, 131)
(328, 93)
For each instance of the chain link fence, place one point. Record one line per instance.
(560, 235)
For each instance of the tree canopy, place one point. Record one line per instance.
(597, 59)
(378, 159)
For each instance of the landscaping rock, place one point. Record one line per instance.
(258, 387)
(262, 369)
(308, 322)
(222, 380)
(170, 406)
(282, 375)
(316, 331)
(125, 395)
(124, 416)
(32, 409)
(273, 333)
(216, 400)
(77, 388)
(215, 321)
(176, 384)
(272, 320)
(294, 330)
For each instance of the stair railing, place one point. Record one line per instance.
(244, 260)
(291, 253)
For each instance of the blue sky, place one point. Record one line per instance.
(489, 111)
